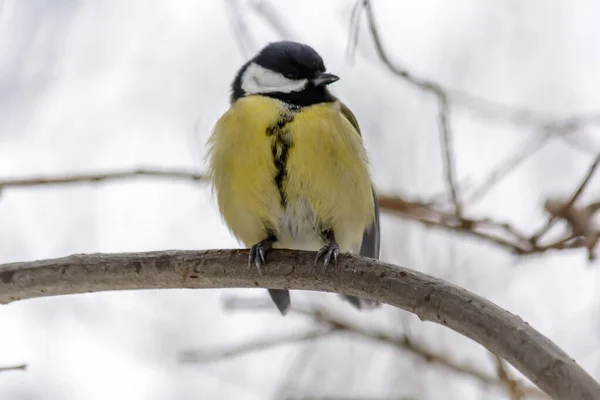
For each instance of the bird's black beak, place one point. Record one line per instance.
(324, 79)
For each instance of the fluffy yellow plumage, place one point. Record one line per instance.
(288, 164)
(325, 181)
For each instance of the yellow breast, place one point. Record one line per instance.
(290, 173)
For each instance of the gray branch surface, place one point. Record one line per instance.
(432, 299)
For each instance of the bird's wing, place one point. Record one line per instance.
(370, 241)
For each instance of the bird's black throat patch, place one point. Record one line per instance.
(280, 147)
(308, 96)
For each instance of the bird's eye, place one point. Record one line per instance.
(291, 75)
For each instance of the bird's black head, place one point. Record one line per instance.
(289, 71)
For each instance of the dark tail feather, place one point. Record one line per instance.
(281, 298)
(362, 303)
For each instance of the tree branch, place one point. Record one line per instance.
(274, 18)
(241, 33)
(22, 367)
(570, 203)
(512, 386)
(432, 299)
(263, 343)
(100, 177)
(443, 106)
(447, 153)
(485, 229)
(533, 145)
(446, 97)
(484, 107)
(401, 342)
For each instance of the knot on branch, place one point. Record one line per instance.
(579, 220)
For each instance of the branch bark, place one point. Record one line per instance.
(432, 299)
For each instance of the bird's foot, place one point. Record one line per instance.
(258, 253)
(328, 252)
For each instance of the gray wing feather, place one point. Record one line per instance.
(369, 248)
(370, 241)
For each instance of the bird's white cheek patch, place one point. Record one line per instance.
(257, 79)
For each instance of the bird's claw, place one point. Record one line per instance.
(257, 257)
(328, 252)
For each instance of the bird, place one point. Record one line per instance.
(288, 165)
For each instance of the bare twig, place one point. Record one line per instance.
(580, 220)
(241, 32)
(354, 31)
(534, 145)
(100, 177)
(535, 238)
(443, 107)
(414, 210)
(204, 356)
(273, 17)
(552, 126)
(526, 150)
(497, 233)
(580, 143)
(421, 83)
(293, 373)
(500, 234)
(400, 342)
(21, 367)
(432, 299)
(484, 107)
(583, 184)
(512, 386)
(447, 153)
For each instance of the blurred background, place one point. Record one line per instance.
(496, 102)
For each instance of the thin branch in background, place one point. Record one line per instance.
(263, 343)
(497, 233)
(20, 367)
(443, 106)
(583, 184)
(580, 220)
(401, 342)
(486, 108)
(535, 144)
(273, 17)
(552, 126)
(423, 84)
(293, 374)
(486, 229)
(354, 31)
(447, 153)
(581, 142)
(514, 113)
(100, 177)
(512, 386)
(536, 237)
(241, 32)
(499, 172)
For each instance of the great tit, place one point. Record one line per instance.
(288, 164)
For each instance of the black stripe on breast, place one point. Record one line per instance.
(282, 143)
